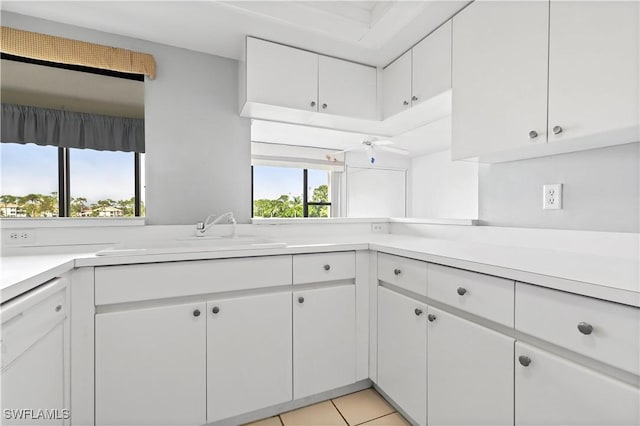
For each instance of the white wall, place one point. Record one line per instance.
(441, 188)
(197, 147)
(601, 191)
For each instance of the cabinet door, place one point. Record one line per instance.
(323, 339)
(551, 390)
(499, 77)
(281, 75)
(432, 65)
(35, 379)
(396, 86)
(594, 57)
(151, 366)
(402, 352)
(248, 354)
(470, 373)
(346, 88)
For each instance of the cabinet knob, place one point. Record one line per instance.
(58, 308)
(431, 317)
(418, 312)
(324, 106)
(524, 360)
(327, 267)
(300, 299)
(405, 103)
(196, 313)
(313, 103)
(462, 291)
(557, 130)
(215, 310)
(414, 98)
(585, 328)
(397, 271)
(533, 134)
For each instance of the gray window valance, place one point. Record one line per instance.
(43, 126)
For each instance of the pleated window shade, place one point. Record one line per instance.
(74, 52)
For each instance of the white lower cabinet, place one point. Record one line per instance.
(551, 390)
(151, 366)
(324, 340)
(402, 352)
(470, 373)
(249, 360)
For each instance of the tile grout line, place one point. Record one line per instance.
(339, 412)
(376, 418)
(280, 418)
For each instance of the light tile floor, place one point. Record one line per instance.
(366, 407)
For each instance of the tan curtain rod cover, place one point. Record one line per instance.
(73, 52)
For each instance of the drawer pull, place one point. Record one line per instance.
(397, 271)
(196, 313)
(431, 317)
(300, 299)
(215, 310)
(462, 291)
(327, 267)
(585, 328)
(58, 308)
(524, 360)
(418, 312)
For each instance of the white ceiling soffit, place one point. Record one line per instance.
(433, 137)
(370, 32)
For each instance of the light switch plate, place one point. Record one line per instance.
(552, 196)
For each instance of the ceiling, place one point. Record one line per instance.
(370, 32)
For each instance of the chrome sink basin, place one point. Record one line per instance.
(190, 245)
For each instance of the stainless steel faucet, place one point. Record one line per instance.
(203, 227)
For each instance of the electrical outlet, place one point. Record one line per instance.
(552, 196)
(379, 228)
(20, 236)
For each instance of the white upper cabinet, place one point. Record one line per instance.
(432, 65)
(499, 77)
(541, 78)
(396, 86)
(282, 76)
(594, 57)
(346, 88)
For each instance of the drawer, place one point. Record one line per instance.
(320, 267)
(483, 295)
(405, 273)
(130, 283)
(608, 332)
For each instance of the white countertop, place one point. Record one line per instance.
(606, 277)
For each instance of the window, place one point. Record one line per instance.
(290, 192)
(98, 183)
(68, 151)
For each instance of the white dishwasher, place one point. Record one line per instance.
(34, 359)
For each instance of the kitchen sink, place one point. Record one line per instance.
(190, 244)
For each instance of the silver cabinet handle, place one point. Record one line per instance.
(324, 106)
(418, 312)
(215, 310)
(327, 267)
(585, 328)
(196, 313)
(300, 299)
(414, 98)
(533, 134)
(405, 103)
(313, 103)
(397, 271)
(524, 360)
(462, 291)
(557, 130)
(431, 317)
